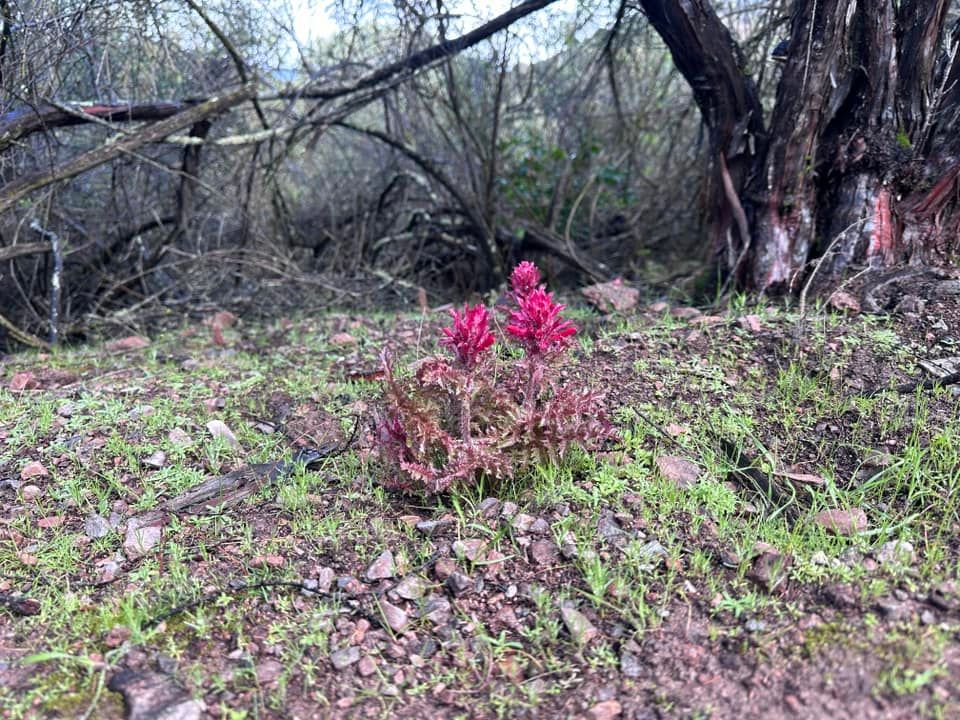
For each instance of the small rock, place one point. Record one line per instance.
(350, 585)
(652, 550)
(819, 558)
(840, 595)
(753, 625)
(471, 549)
(117, 636)
(133, 342)
(383, 567)
(23, 381)
(489, 508)
(140, 540)
(540, 527)
(728, 558)
(844, 302)
(437, 610)
(611, 296)
(679, 470)
(141, 411)
(430, 527)
(219, 430)
(508, 510)
(107, 569)
(51, 521)
(630, 665)
(568, 546)
(156, 460)
(842, 522)
(769, 569)
(891, 609)
(580, 628)
(507, 617)
(543, 552)
(268, 670)
(179, 437)
(344, 658)
(444, 567)
(367, 666)
(96, 526)
(411, 587)
(523, 522)
(66, 410)
(29, 493)
(896, 553)
(149, 695)
(395, 617)
(927, 617)
(458, 584)
(608, 527)
(751, 323)
(343, 340)
(606, 710)
(685, 313)
(324, 579)
(34, 469)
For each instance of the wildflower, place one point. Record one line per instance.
(524, 279)
(537, 323)
(470, 335)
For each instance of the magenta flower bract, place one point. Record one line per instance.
(537, 323)
(470, 335)
(524, 279)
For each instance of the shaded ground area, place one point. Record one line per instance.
(774, 536)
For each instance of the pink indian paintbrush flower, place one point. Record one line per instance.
(537, 323)
(470, 335)
(524, 279)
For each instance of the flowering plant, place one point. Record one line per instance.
(446, 423)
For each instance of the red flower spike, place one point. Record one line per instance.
(524, 279)
(537, 323)
(470, 335)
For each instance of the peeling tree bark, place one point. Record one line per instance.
(859, 159)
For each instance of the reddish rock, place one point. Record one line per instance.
(680, 470)
(32, 470)
(24, 381)
(133, 342)
(842, 522)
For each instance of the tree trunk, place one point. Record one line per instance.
(859, 165)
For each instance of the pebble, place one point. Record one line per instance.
(437, 610)
(366, 666)
(580, 628)
(344, 658)
(395, 617)
(543, 552)
(156, 460)
(489, 508)
(411, 588)
(523, 522)
(429, 527)
(458, 584)
(381, 568)
(896, 553)
(96, 526)
(842, 522)
(606, 710)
